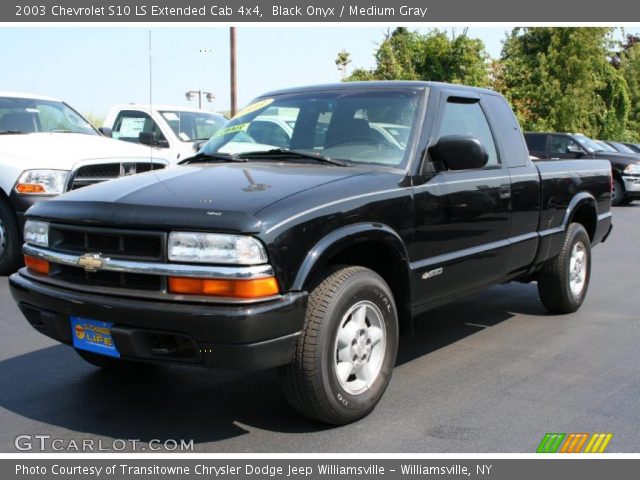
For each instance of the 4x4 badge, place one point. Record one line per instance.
(91, 262)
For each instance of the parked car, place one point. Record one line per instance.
(622, 148)
(175, 132)
(311, 257)
(47, 148)
(633, 146)
(562, 146)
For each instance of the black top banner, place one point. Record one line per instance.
(330, 11)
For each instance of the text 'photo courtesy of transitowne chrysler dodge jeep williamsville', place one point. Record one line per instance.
(386, 199)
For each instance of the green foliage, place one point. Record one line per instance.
(630, 71)
(409, 55)
(95, 120)
(561, 79)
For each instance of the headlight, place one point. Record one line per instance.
(215, 248)
(42, 182)
(633, 169)
(36, 233)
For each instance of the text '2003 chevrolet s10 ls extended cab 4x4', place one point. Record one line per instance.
(370, 203)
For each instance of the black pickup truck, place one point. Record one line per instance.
(625, 167)
(364, 205)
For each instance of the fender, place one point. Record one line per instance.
(345, 237)
(550, 239)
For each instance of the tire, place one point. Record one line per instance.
(10, 240)
(617, 194)
(564, 280)
(353, 304)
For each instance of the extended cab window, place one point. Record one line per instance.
(536, 143)
(468, 119)
(129, 124)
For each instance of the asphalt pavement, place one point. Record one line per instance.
(492, 373)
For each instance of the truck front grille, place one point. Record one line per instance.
(132, 281)
(96, 173)
(125, 244)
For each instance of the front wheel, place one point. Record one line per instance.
(10, 251)
(564, 280)
(347, 350)
(617, 194)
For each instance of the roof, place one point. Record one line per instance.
(28, 95)
(173, 108)
(381, 85)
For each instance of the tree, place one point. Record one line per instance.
(561, 79)
(410, 55)
(342, 60)
(630, 71)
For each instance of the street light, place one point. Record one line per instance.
(208, 95)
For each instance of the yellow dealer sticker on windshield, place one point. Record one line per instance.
(241, 127)
(253, 107)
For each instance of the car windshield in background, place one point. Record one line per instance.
(589, 144)
(605, 146)
(373, 127)
(26, 115)
(622, 148)
(190, 126)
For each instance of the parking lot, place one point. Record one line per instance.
(493, 373)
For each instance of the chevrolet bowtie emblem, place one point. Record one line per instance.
(91, 262)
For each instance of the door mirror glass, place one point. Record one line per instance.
(459, 152)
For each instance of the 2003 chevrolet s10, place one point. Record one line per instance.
(307, 232)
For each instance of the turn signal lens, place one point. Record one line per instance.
(36, 265)
(257, 288)
(30, 188)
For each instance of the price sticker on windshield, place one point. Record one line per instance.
(233, 129)
(253, 107)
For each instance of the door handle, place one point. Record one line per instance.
(505, 191)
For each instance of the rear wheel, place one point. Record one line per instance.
(564, 280)
(345, 356)
(617, 193)
(9, 240)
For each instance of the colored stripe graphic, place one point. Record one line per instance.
(574, 442)
(550, 443)
(598, 443)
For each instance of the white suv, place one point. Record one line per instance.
(174, 132)
(47, 148)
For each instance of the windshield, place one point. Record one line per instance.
(605, 146)
(373, 127)
(26, 115)
(192, 126)
(621, 147)
(587, 143)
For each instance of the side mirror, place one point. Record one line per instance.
(106, 131)
(576, 150)
(147, 138)
(458, 152)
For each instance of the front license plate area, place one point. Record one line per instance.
(93, 336)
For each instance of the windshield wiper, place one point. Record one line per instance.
(212, 157)
(284, 152)
(13, 132)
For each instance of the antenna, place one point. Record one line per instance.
(150, 95)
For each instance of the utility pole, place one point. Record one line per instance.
(234, 77)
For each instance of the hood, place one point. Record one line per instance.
(63, 150)
(219, 196)
(618, 157)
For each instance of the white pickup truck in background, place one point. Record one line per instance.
(47, 148)
(175, 132)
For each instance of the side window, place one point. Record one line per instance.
(269, 132)
(469, 119)
(536, 143)
(129, 124)
(562, 144)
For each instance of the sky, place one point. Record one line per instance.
(94, 68)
